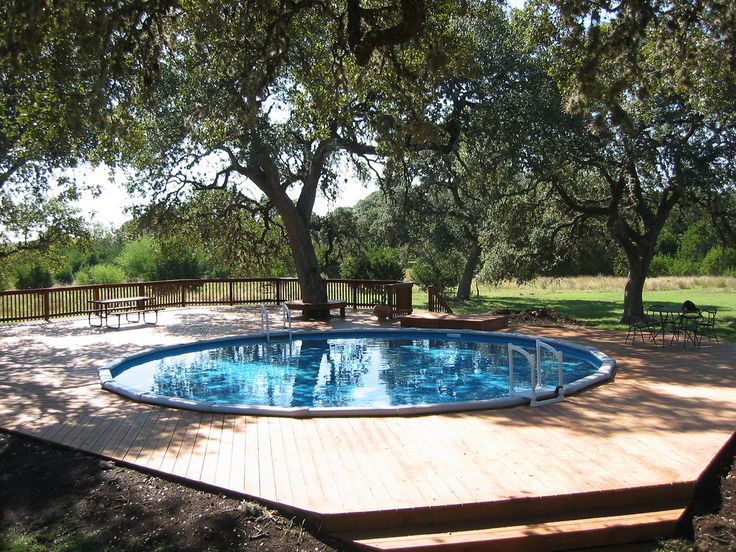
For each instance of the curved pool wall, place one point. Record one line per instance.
(606, 372)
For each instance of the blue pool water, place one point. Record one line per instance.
(377, 369)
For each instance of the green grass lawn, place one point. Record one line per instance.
(599, 302)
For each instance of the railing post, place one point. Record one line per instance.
(183, 294)
(354, 285)
(95, 293)
(232, 293)
(407, 297)
(141, 292)
(46, 305)
(278, 291)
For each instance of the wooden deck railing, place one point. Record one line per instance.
(437, 303)
(48, 303)
(399, 298)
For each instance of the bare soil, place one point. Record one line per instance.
(57, 499)
(537, 317)
(716, 531)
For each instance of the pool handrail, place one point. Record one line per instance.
(286, 313)
(265, 323)
(559, 394)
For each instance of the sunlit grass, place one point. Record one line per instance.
(598, 300)
(617, 283)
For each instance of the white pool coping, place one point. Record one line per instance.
(606, 372)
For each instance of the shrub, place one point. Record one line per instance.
(696, 241)
(718, 261)
(441, 272)
(64, 275)
(33, 277)
(100, 274)
(138, 259)
(660, 265)
(374, 262)
(683, 266)
(176, 260)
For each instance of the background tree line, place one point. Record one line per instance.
(375, 239)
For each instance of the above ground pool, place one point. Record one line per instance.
(358, 372)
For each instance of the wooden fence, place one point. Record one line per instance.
(48, 303)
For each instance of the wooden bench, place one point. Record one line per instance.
(317, 310)
(485, 322)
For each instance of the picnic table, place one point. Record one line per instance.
(116, 307)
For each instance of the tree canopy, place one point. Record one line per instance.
(609, 114)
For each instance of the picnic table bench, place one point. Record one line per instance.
(317, 310)
(116, 307)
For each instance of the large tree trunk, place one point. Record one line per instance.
(471, 263)
(633, 294)
(264, 172)
(639, 254)
(312, 285)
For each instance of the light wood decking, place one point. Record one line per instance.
(661, 422)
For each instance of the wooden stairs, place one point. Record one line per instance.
(602, 520)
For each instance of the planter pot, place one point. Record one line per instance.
(382, 312)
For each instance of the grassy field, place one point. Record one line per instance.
(598, 301)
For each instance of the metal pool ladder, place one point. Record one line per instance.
(535, 364)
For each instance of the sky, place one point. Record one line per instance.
(108, 209)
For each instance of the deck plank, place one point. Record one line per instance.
(225, 456)
(418, 489)
(323, 459)
(166, 427)
(187, 449)
(127, 440)
(281, 473)
(266, 472)
(214, 451)
(237, 471)
(167, 461)
(107, 447)
(101, 433)
(252, 456)
(146, 439)
(198, 455)
(304, 483)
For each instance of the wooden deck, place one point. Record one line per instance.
(661, 422)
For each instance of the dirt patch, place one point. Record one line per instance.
(57, 499)
(717, 532)
(537, 317)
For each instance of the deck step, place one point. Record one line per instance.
(496, 513)
(545, 536)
